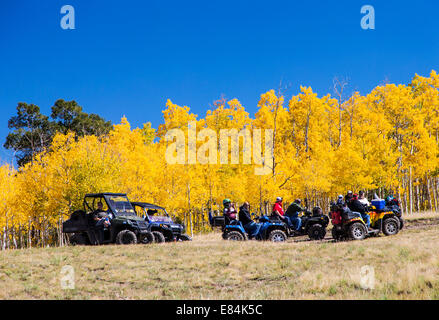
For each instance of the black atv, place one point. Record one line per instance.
(314, 225)
(160, 223)
(125, 226)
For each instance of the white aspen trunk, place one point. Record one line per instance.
(189, 207)
(29, 238)
(7, 233)
(192, 224)
(430, 204)
(4, 239)
(435, 185)
(60, 230)
(22, 237)
(399, 197)
(43, 233)
(201, 218)
(411, 191)
(418, 200)
(14, 240)
(405, 194)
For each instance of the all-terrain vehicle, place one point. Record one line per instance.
(125, 226)
(160, 223)
(313, 224)
(387, 219)
(347, 224)
(350, 225)
(266, 229)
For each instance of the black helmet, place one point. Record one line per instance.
(298, 201)
(317, 211)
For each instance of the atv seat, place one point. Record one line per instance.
(346, 216)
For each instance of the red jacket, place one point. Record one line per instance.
(278, 207)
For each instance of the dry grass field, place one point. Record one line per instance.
(406, 266)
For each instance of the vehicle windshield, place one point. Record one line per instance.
(120, 205)
(155, 215)
(160, 219)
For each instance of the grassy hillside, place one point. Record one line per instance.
(406, 267)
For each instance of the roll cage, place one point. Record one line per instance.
(145, 207)
(114, 203)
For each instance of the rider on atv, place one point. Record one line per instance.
(355, 205)
(229, 210)
(278, 212)
(340, 200)
(392, 204)
(245, 218)
(293, 214)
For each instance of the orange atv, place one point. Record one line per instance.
(349, 225)
(386, 220)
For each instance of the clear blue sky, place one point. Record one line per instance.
(128, 57)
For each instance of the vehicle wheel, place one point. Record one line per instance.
(401, 223)
(316, 232)
(184, 237)
(224, 235)
(390, 226)
(277, 236)
(126, 237)
(235, 236)
(148, 238)
(77, 239)
(158, 237)
(357, 231)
